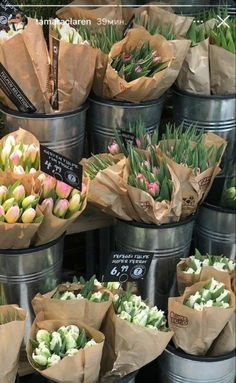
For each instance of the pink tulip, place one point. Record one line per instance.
(48, 203)
(49, 184)
(61, 208)
(114, 148)
(15, 157)
(3, 193)
(19, 193)
(138, 142)
(12, 214)
(127, 57)
(141, 177)
(153, 188)
(156, 57)
(138, 69)
(155, 170)
(29, 215)
(147, 164)
(63, 190)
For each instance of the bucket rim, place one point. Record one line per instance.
(220, 209)
(7, 111)
(211, 97)
(144, 225)
(34, 249)
(125, 104)
(177, 352)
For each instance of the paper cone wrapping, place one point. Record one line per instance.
(100, 71)
(194, 77)
(226, 341)
(83, 367)
(53, 227)
(18, 235)
(222, 71)
(195, 188)
(195, 331)
(128, 346)
(92, 313)
(75, 75)
(187, 280)
(144, 88)
(25, 57)
(11, 336)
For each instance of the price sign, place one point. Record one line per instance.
(128, 138)
(60, 167)
(123, 267)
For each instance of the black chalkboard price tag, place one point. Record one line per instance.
(128, 138)
(60, 167)
(123, 267)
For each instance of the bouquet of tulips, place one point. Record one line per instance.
(132, 328)
(19, 152)
(189, 269)
(228, 198)
(65, 350)
(12, 329)
(143, 139)
(207, 310)
(87, 301)
(195, 158)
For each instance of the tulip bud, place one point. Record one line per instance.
(10, 141)
(13, 214)
(19, 193)
(18, 170)
(15, 157)
(29, 215)
(32, 171)
(114, 148)
(74, 192)
(3, 193)
(31, 200)
(48, 202)
(8, 204)
(49, 184)
(61, 208)
(74, 203)
(63, 190)
(5, 153)
(31, 153)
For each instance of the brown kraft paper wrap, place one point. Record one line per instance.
(32, 70)
(92, 313)
(53, 227)
(75, 76)
(194, 77)
(108, 191)
(187, 280)
(94, 14)
(11, 336)
(222, 71)
(128, 346)
(226, 340)
(18, 235)
(83, 367)
(21, 136)
(195, 331)
(143, 88)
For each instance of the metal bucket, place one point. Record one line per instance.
(215, 230)
(62, 132)
(168, 242)
(26, 272)
(178, 367)
(106, 115)
(215, 114)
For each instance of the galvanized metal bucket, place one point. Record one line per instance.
(178, 367)
(215, 230)
(106, 115)
(62, 132)
(26, 272)
(168, 242)
(215, 114)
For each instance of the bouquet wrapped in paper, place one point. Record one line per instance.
(65, 350)
(202, 313)
(24, 55)
(12, 329)
(86, 301)
(189, 269)
(135, 334)
(195, 159)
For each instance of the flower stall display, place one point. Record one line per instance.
(189, 269)
(195, 159)
(65, 351)
(135, 335)
(87, 301)
(12, 328)
(202, 313)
